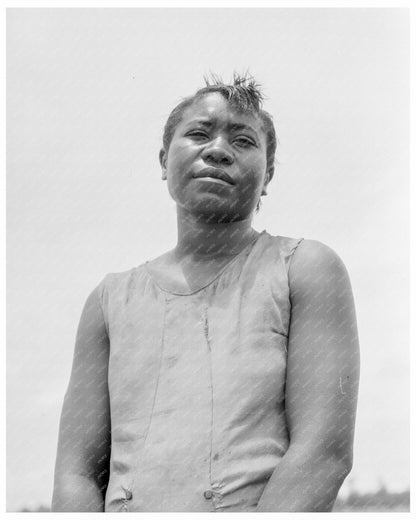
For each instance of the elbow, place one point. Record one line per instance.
(61, 498)
(346, 465)
(334, 460)
(65, 492)
(77, 493)
(339, 453)
(336, 464)
(341, 465)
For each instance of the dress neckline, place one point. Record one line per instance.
(250, 245)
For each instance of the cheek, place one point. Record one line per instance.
(179, 156)
(178, 166)
(254, 180)
(255, 171)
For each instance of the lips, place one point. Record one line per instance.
(214, 173)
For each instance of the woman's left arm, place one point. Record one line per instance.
(321, 384)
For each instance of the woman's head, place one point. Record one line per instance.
(244, 95)
(218, 151)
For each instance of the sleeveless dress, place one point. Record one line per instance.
(196, 383)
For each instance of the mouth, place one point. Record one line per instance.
(213, 174)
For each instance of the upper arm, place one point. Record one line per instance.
(84, 434)
(323, 354)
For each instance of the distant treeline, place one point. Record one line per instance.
(380, 501)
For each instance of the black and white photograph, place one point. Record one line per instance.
(207, 260)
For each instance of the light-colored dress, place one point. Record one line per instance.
(196, 384)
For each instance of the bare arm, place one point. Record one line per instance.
(84, 445)
(321, 385)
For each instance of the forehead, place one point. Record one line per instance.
(215, 108)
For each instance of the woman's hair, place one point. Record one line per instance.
(244, 95)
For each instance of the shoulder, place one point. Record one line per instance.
(316, 266)
(278, 247)
(118, 278)
(162, 264)
(312, 253)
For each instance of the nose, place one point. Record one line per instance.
(217, 153)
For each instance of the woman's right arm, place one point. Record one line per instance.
(84, 445)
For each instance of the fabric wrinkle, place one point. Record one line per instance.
(157, 380)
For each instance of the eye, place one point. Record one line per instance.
(197, 134)
(244, 142)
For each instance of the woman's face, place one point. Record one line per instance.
(216, 163)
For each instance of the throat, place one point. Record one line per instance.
(204, 241)
(212, 243)
(191, 272)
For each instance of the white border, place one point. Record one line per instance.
(225, 4)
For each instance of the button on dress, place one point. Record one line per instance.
(196, 384)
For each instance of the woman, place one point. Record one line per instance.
(223, 375)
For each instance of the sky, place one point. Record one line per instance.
(88, 93)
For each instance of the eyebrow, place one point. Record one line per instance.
(242, 126)
(202, 122)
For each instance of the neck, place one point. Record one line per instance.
(201, 239)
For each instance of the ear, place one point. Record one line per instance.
(267, 179)
(163, 158)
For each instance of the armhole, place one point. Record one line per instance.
(103, 297)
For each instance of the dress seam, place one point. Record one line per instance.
(291, 255)
(206, 334)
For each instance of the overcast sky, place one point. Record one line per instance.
(88, 92)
